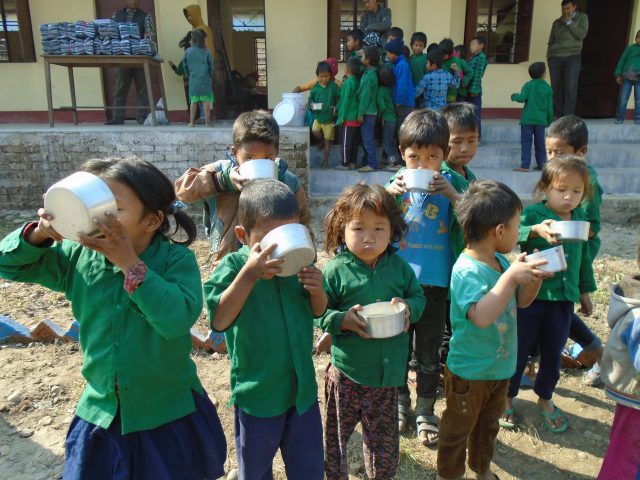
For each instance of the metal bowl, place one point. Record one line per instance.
(316, 106)
(556, 261)
(416, 180)
(294, 244)
(383, 319)
(75, 201)
(571, 231)
(259, 169)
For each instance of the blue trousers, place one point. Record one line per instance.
(546, 323)
(476, 101)
(367, 131)
(388, 141)
(299, 438)
(526, 133)
(625, 93)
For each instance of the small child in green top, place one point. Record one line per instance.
(179, 69)
(627, 75)
(387, 112)
(323, 98)
(537, 114)
(485, 290)
(354, 43)
(361, 383)
(460, 51)
(418, 60)
(452, 65)
(136, 293)
(268, 324)
(563, 185)
(348, 115)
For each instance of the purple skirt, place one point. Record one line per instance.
(189, 448)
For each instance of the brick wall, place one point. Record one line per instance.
(32, 160)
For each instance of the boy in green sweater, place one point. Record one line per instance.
(537, 114)
(418, 60)
(322, 102)
(387, 112)
(367, 109)
(627, 75)
(348, 115)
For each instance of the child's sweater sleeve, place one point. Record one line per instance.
(346, 91)
(549, 106)
(331, 320)
(218, 282)
(365, 92)
(620, 65)
(587, 281)
(422, 86)
(522, 96)
(185, 65)
(631, 338)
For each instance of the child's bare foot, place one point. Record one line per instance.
(190, 125)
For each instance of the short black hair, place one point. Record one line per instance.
(436, 57)
(446, 45)
(567, 2)
(419, 37)
(323, 67)
(432, 46)
(571, 129)
(397, 32)
(480, 39)
(460, 115)
(356, 34)
(354, 65)
(372, 54)
(424, 127)
(386, 78)
(461, 49)
(537, 70)
(256, 126)
(485, 205)
(265, 199)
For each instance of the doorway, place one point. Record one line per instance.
(607, 38)
(104, 9)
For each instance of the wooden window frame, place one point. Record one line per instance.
(24, 35)
(523, 29)
(336, 38)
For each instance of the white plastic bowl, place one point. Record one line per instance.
(556, 261)
(571, 231)
(416, 180)
(383, 319)
(75, 201)
(316, 106)
(294, 244)
(259, 169)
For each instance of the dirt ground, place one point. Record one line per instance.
(47, 378)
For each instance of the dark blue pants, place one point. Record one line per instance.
(299, 438)
(625, 93)
(367, 131)
(546, 323)
(389, 142)
(476, 101)
(537, 132)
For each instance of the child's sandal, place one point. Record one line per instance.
(425, 425)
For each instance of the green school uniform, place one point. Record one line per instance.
(375, 362)
(384, 102)
(461, 184)
(270, 343)
(537, 97)
(418, 65)
(141, 340)
(368, 93)
(452, 92)
(590, 208)
(348, 103)
(578, 277)
(328, 97)
(463, 89)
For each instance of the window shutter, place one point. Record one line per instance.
(523, 30)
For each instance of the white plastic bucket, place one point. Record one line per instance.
(290, 111)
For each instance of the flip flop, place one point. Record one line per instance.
(553, 417)
(427, 424)
(506, 424)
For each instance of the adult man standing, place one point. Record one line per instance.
(132, 14)
(564, 56)
(376, 19)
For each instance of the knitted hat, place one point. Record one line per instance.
(395, 46)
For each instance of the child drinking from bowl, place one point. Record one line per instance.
(365, 373)
(323, 98)
(268, 325)
(136, 293)
(564, 185)
(485, 290)
(217, 185)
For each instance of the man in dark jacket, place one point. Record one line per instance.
(564, 56)
(376, 19)
(132, 14)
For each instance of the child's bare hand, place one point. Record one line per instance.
(260, 266)
(543, 230)
(454, 67)
(237, 180)
(115, 243)
(407, 311)
(586, 307)
(397, 186)
(311, 280)
(44, 230)
(524, 273)
(323, 345)
(171, 64)
(353, 322)
(440, 186)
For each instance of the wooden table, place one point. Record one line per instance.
(101, 61)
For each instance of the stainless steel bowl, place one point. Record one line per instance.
(571, 231)
(383, 319)
(556, 261)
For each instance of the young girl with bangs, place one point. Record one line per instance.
(563, 186)
(365, 373)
